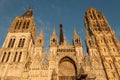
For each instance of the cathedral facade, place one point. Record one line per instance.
(22, 56)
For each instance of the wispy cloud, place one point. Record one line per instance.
(46, 28)
(41, 22)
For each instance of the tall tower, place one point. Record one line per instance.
(61, 34)
(17, 47)
(78, 46)
(53, 44)
(102, 46)
(39, 45)
(36, 58)
(53, 50)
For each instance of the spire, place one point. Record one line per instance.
(75, 33)
(53, 38)
(54, 32)
(61, 34)
(40, 39)
(28, 13)
(41, 32)
(76, 38)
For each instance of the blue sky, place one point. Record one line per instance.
(49, 13)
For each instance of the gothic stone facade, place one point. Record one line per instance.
(22, 56)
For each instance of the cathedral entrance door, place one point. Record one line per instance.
(67, 69)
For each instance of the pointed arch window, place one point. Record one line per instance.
(11, 43)
(113, 74)
(110, 41)
(3, 58)
(19, 58)
(94, 16)
(16, 25)
(101, 41)
(77, 40)
(27, 24)
(54, 41)
(114, 49)
(40, 41)
(8, 56)
(19, 24)
(91, 16)
(89, 43)
(104, 49)
(24, 24)
(99, 16)
(21, 42)
(110, 65)
(15, 56)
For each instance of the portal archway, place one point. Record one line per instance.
(67, 69)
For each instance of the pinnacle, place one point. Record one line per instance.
(54, 32)
(41, 32)
(75, 32)
(28, 13)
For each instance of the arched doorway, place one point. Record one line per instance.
(67, 69)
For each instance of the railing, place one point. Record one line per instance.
(65, 50)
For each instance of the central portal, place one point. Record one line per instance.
(67, 69)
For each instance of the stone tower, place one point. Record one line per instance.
(17, 47)
(39, 45)
(102, 46)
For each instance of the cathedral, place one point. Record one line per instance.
(23, 57)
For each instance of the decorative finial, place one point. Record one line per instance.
(75, 32)
(28, 13)
(54, 32)
(41, 32)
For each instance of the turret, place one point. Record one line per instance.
(53, 39)
(53, 48)
(78, 46)
(76, 39)
(39, 45)
(40, 39)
